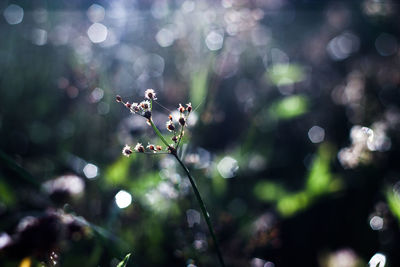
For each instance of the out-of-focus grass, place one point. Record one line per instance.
(285, 74)
(118, 172)
(198, 89)
(125, 261)
(6, 194)
(393, 201)
(289, 107)
(320, 181)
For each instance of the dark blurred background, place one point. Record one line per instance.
(294, 142)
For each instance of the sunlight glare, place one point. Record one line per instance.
(97, 32)
(123, 199)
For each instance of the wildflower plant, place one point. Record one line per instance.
(177, 128)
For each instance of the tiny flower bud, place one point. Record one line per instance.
(170, 117)
(182, 121)
(128, 105)
(151, 147)
(139, 148)
(189, 107)
(127, 151)
(135, 107)
(174, 138)
(159, 148)
(170, 126)
(118, 98)
(181, 108)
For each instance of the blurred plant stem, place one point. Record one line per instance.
(195, 189)
(203, 208)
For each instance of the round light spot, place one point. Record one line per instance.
(188, 6)
(5, 240)
(214, 41)
(103, 108)
(39, 37)
(149, 65)
(378, 260)
(228, 167)
(96, 95)
(97, 33)
(90, 171)
(96, 13)
(123, 199)
(386, 44)
(13, 14)
(376, 223)
(316, 134)
(165, 38)
(342, 46)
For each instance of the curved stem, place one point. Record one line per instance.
(158, 132)
(203, 209)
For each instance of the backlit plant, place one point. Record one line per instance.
(145, 109)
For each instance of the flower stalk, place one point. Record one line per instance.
(203, 209)
(144, 109)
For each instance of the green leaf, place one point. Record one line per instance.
(125, 261)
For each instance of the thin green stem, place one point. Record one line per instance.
(173, 151)
(158, 132)
(180, 137)
(203, 209)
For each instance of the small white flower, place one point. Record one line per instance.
(170, 126)
(145, 105)
(139, 148)
(150, 94)
(127, 151)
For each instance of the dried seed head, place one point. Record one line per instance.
(150, 94)
(127, 151)
(174, 138)
(118, 98)
(189, 107)
(128, 105)
(170, 126)
(181, 108)
(139, 148)
(159, 148)
(182, 121)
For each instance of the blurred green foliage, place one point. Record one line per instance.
(289, 107)
(285, 74)
(320, 181)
